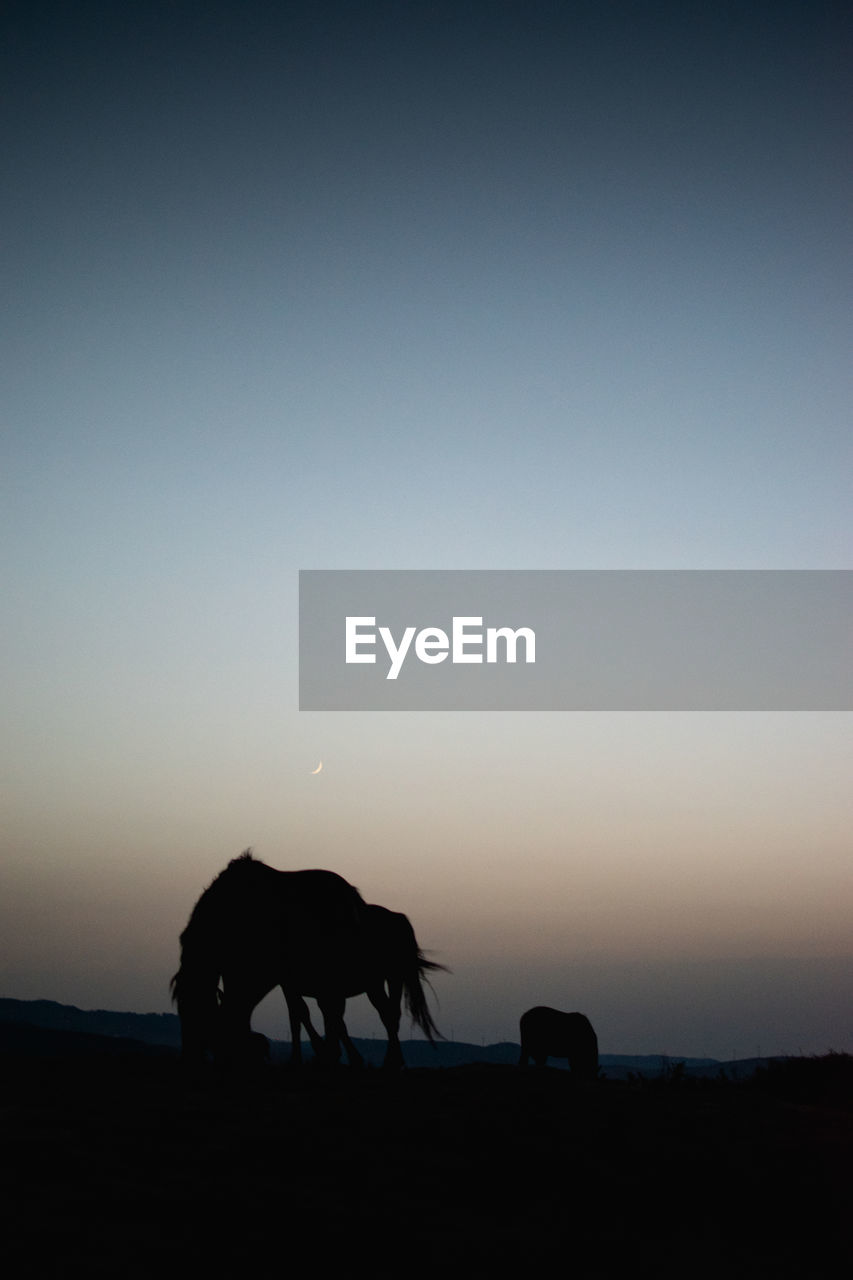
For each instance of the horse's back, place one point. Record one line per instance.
(543, 1028)
(308, 884)
(390, 932)
(320, 887)
(313, 896)
(256, 919)
(541, 1020)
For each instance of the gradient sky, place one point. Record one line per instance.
(436, 285)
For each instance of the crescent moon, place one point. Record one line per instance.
(318, 769)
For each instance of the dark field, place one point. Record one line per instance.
(120, 1167)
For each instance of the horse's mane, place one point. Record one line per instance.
(209, 905)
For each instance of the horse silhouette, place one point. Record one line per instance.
(390, 969)
(309, 932)
(549, 1033)
(254, 928)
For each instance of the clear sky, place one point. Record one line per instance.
(435, 285)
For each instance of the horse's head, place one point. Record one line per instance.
(198, 1001)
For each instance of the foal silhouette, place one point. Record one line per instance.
(390, 969)
(548, 1033)
(309, 932)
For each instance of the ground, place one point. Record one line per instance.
(123, 1166)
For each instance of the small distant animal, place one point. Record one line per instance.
(548, 1033)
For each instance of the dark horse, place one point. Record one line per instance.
(549, 1033)
(390, 969)
(309, 932)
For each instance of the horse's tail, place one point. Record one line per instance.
(415, 996)
(416, 967)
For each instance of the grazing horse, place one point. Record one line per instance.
(310, 933)
(256, 928)
(390, 969)
(549, 1033)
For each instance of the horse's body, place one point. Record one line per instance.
(389, 969)
(309, 932)
(549, 1033)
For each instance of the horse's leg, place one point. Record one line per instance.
(314, 1036)
(354, 1058)
(294, 1014)
(300, 1017)
(332, 1008)
(387, 1005)
(295, 1018)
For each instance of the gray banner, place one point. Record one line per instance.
(575, 640)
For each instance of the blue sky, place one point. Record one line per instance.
(417, 286)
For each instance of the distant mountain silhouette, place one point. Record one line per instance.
(45, 1027)
(150, 1028)
(22, 1039)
